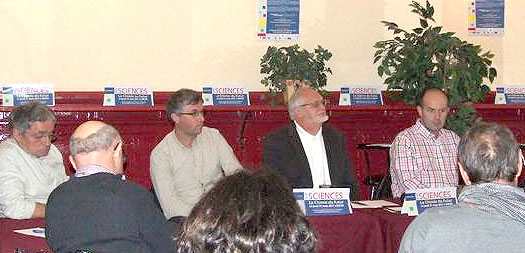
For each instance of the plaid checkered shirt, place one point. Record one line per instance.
(419, 159)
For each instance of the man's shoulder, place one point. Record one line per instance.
(459, 215)
(329, 130)
(8, 147)
(449, 134)
(209, 132)
(55, 154)
(437, 219)
(408, 132)
(112, 185)
(441, 213)
(164, 143)
(281, 131)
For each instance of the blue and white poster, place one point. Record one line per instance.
(221, 95)
(323, 201)
(127, 95)
(19, 94)
(278, 20)
(510, 95)
(366, 95)
(486, 18)
(417, 201)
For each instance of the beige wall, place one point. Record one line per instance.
(80, 45)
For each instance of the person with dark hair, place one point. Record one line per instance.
(189, 159)
(247, 212)
(31, 166)
(490, 214)
(96, 210)
(424, 155)
(308, 152)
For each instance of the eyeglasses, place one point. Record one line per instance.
(316, 103)
(42, 137)
(193, 114)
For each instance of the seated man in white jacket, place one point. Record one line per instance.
(31, 166)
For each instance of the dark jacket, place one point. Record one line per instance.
(284, 153)
(103, 213)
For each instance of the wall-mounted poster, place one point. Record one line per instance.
(278, 20)
(486, 18)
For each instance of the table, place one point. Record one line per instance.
(10, 240)
(367, 230)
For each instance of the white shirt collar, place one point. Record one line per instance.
(304, 134)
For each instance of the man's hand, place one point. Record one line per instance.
(39, 212)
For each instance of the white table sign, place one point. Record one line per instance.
(323, 201)
(19, 94)
(127, 95)
(221, 95)
(510, 95)
(365, 95)
(416, 201)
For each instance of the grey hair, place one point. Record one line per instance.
(101, 139)
(489, 152)
(181, 98)
(23, 116)
(295, 100)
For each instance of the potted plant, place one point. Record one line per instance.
(287, 68)
(427, 57)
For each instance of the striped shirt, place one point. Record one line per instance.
(419, 159)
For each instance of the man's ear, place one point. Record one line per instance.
(175, 117)
(419, 110)
(118, 149)
(297, 112)
(16, 133)
(464, 174)
(72, 162)
(520, 165)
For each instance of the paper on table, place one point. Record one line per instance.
(39, 232)
(372, 204)
(394, 209)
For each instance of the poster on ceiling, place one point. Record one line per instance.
(486, 18)
(278, 20)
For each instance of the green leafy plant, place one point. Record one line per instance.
(293, 63)
(462, 118)
(427, 57)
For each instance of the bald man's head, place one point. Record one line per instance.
(92, 136)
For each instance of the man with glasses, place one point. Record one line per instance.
(424, 155)
(307, 152)
(30, 165)
(186, 163)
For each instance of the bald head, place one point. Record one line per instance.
(96, 143)
(92, 136)
(87, 128)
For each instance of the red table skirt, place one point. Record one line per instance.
(366, 230)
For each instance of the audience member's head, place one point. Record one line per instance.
(488, 152)
(32, 126)
(95, 142)
(247, 213)
(433, 109)
(179, 99)
(306, 107)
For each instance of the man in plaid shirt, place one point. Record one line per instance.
(425, 155)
